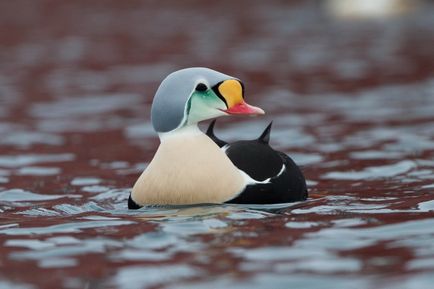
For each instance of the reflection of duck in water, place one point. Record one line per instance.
(190, 168)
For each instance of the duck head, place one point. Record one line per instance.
(188, 96)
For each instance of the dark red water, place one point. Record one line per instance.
(352, 102)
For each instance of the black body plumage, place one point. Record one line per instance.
(285, 181)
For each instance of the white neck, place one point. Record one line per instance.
(184, 131)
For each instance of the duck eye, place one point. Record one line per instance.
(201, 87)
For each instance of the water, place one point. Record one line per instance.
(351, 101)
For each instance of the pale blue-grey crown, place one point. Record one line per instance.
(169, 103)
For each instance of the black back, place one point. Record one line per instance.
(257, 159)
(211, 135)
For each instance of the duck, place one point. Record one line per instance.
(192, 167)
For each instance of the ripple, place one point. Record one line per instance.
(69, 209)
(426, 263)
(247, 215)
(361, 237)
(421, 245)
(340, 204)
(426, 206)
(141, 277)
(304, 159)
(141, 130)
(38, 171)
(417, 281)
(57, 263)
(40, 212)
(28, 244)
(73, 227)
(85, 105)
(11, 285)
(185, 228)
(372, 154)
(327, 265)
(85, 181)
(276, 281)
(63, 240)
(301, 225)
(137, 255)
(50, 256)
(30, 159)
(278, 254)
(373, 172)
(116, 195)
(95, 189)
(25, 139)
(19, 195)
(153, 240)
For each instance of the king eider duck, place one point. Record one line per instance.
(191, 167)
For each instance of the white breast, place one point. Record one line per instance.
(188, 168)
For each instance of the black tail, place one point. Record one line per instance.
(265, 136)
(132, 205)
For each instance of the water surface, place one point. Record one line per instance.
(352, 102)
